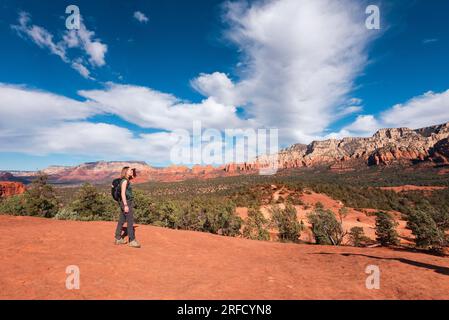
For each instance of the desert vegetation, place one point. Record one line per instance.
(256, 225)
(326, 229)
(386, 233)
(210, 206)
(286, 221)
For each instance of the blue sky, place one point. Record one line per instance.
(309, 68)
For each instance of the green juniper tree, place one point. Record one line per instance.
(286, 221)
(256, 226)
(357, 237)
(93, 205)
(428, 234)
(386, 229)
(40, 198)
(326, 229)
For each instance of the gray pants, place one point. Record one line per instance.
(129, 219)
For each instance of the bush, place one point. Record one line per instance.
(286, 221)
(256, 226)
(92, 205)
(386, 229)
(358, 238)
(40, 199)
(326, 229)
(14, 205)
(198, 214)
(144, 211)
(190, 216)
(67, 214)
(221, 219)
(171, 214)
(428, 235)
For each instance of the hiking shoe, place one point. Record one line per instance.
(121, 241)
(134, 244)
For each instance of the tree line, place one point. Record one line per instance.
(217, 215)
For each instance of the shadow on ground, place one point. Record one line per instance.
(437, 269)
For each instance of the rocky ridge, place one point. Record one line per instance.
(386, 147)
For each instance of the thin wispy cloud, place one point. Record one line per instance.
(83, 39)
(427, 41)
(141, 17)
(39, 35)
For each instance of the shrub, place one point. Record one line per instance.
(191, 216)
(92, 205)
(221, 219)
(198, 214)
(386, 229)
(357, 237)
(424, 228)
(144, 211)
(170, 214)
(326, 229)
(319, 206)
(14, 205)
(67, 214)
(40, 199)
(256, 226)
(441, 218)
(286, 221)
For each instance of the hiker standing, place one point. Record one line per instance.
(127, 209)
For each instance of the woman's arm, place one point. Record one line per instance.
(123, 194)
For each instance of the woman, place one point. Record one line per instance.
(127, 210)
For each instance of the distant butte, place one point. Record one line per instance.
(386, 147)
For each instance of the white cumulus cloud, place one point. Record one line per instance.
(300, 59)
(422, 111)
(149, 108)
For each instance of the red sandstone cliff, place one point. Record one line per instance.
(386, 147)
(8, 188)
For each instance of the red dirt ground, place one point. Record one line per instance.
(188, 265)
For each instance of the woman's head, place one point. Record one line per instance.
(127, 173)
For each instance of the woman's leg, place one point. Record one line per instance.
(121, 222)
(130, 222)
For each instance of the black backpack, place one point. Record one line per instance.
(116, 189)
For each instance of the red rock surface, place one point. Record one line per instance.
(188, 265)
(440, 152)
(8, 189)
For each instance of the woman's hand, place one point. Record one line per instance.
(126, 209)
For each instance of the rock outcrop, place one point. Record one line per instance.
(8, 188)
(6, 176)
(440, 152)
(386, 147)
